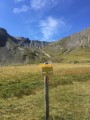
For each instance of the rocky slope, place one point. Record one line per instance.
(71, 48)
(14, 50)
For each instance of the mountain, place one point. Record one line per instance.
(19, 50)
(74, 48)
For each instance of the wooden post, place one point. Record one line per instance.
(46, 92)
(47, 69)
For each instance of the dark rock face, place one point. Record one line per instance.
(3, 37)
(3, 31)
(31, 43)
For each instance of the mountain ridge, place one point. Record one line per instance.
(19, 50)
(62, 49)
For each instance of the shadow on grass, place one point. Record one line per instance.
(68, 79)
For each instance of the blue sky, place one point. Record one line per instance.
(47, 20)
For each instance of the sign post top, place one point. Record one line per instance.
(45, 65)
(47, 68)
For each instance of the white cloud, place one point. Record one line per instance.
(50, 26)
(37, 4)
(16, 1)
(48, 4)
(24, 8)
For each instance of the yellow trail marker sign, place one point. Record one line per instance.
(47, 69)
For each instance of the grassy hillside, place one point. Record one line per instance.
(78, 55)
(74, 48)
(22, 96)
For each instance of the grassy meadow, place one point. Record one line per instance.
(22, 92)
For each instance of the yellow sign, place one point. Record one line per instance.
(47, 69)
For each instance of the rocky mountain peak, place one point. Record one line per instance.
(3, 37)
(3, 31)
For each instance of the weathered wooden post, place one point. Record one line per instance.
(47, 69)
(46, 92)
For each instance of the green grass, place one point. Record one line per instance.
(22, 94)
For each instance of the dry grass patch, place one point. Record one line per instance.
(12, 71)
(66, 69)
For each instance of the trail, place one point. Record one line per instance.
(46, 54)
